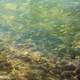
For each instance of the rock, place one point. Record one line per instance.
(66, 75)
(78, 77)
(70, 67)
(5, 66)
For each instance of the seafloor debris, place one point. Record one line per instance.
(34, 66)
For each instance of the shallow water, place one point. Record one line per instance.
(39, 39)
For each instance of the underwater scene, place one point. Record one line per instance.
(39, 39)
